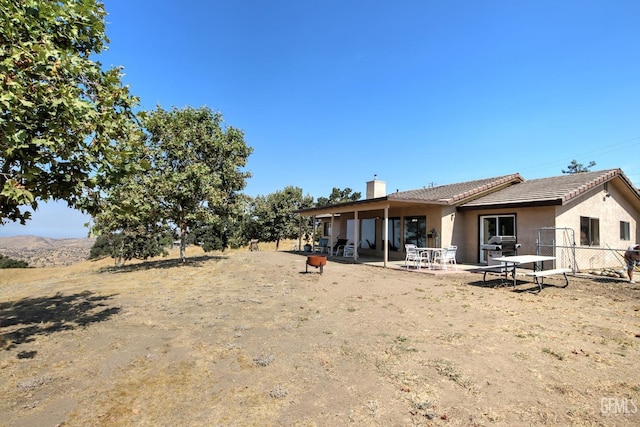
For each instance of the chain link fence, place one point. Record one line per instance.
(603, 263)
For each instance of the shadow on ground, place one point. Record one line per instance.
(162, 263)
(24, 319)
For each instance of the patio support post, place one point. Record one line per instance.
(331, 237)
(385, 233)
(313, 234)
(355, 235)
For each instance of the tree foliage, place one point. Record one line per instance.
(339, 196)
(128, 221)
(193, 179)
(274, 216)
(62, 116)
(124, 246)
(575, 167)
(6, 262)
(196, 164)
(228, 229)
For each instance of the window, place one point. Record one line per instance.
(326, 229)
(589, 231)
(394, 234)
(497, 225)
(625, 230)
(415, 230)
(368, 233)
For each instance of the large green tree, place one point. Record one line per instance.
(228, 229)
(274, 216)
(339, 196)
(129, 223)
(63, 117)
(196, 170)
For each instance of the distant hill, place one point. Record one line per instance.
(45, 251)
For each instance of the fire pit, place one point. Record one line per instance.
(316, 261)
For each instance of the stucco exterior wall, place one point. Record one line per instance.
(528, 222)
(609, 210)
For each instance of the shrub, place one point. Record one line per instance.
(6, 262)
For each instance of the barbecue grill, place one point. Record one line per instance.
(498, 246)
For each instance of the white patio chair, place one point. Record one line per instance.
(415, 256)
(446, 256)
(349, 250)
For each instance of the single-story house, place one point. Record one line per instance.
(600, 208)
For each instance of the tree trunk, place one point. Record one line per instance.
(120, 259)
(277, 243)
(183, 244)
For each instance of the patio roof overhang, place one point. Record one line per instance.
(366, 205)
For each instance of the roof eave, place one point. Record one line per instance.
(339, 206)
(513, 205)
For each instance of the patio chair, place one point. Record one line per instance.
(446, 256)
(322, 246)
(349, 249)
(415, 256)
(338, 248)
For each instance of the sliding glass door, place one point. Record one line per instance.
(394, 234)
(415, 230)
(495, 225)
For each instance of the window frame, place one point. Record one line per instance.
(625, 230)
(589, 231)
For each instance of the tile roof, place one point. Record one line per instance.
(502, 191)
(455, 193)
(556, 190)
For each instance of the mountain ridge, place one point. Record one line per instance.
(40, 251)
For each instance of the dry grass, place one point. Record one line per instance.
(247, 338)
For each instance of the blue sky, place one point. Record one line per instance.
(421, 92)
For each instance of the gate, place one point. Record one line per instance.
(559, 242)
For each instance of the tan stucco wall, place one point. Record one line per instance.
(528, 221)
(610, 211)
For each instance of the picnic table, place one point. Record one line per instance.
(511, 263)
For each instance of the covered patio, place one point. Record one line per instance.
(373, 226)
(380, 225)
(396, 264)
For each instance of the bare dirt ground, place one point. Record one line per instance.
(248, 338)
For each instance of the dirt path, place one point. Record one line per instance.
(250, 339)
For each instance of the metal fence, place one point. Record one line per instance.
(603, 262)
